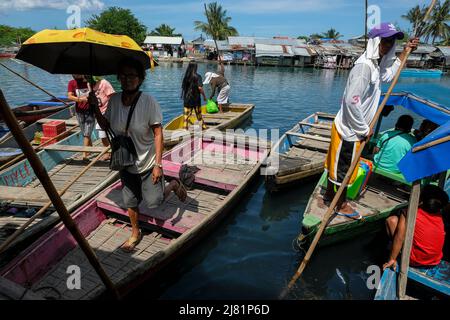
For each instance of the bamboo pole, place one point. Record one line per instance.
(19, 231)
(431, 144)
(344, 183)
(43, 177)
(365, 25)
(33, 84)
(406, 251)
(38, 148)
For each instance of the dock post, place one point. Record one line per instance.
(43, 177)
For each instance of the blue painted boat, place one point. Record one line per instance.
(8, 145)
(300, 153)
(421, 73)
(435, 280)
(22, 194)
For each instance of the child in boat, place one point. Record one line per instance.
(429, 232)
(191, 92)
(394, 144)
(78, 91)
(358, 108)
(426, 127)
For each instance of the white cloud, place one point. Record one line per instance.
(22, 5)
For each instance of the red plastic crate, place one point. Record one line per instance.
(45, 139)
(53, 128)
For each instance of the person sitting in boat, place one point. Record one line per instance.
(78, 91)
(394, 144)
(191, 92)
(359, 105)
(218, 82)
(426, 127)
(144, 180)
(103, 90)
(429, 231)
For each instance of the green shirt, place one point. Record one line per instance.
(393, 146)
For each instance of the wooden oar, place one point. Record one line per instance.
(50, 189)
(19, 231)
(344, 183)
(35, 85)
(22, 156)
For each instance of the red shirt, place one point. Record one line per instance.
(428, 241)
(79, 89)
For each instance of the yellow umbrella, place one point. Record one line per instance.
(80, 51)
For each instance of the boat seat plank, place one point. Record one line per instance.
(172, 215)
(315, 125)
(69, 122)
(308, 136)
(313, 145)
(62, 147)
(436, 277)
(34, 195)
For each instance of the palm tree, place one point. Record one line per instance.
(415, 16)
(331, 34)
(438, 27)
(316, 36)
(164, 30)
(217, 25)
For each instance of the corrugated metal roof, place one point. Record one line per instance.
(280, 42)
(301, 51)
(163, 40)
(445, 50)
(267, 50)
(241, 41)
(222, 44)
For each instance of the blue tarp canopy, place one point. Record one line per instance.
(432, 111)
(429, 161)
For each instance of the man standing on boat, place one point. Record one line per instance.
(359, 105)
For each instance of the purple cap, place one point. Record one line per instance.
(385, 30)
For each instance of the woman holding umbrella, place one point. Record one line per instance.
(144, 180)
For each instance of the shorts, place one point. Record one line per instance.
(101, 133)
(339, 158)
(224, 95)
(86, 122)
(138, 187)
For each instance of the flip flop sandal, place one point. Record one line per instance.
(131, 243)
(354, 215)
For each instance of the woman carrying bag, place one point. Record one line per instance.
(191, 89)
(133, 121)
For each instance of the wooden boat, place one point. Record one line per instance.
(9, 148)
(385, 193)
(35, 110)
(168, 230)
(425, 281)
(300, 153)
(233, 115)
(421, 73)
(22, 194)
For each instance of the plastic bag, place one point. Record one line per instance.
(211, 107)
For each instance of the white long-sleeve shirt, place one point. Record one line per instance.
(362, 93)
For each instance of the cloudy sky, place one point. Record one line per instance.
(250, 17)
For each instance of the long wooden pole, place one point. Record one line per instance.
(406, 251)
(33, 84)
(19, 231)
(43, 177)
(344, 183)
(365, 25)
(430, 144)
(22, 156)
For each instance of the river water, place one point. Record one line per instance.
(250, 254)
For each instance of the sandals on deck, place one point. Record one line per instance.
(131, 243)
(354, 215)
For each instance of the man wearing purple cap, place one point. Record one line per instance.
(359, 105)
